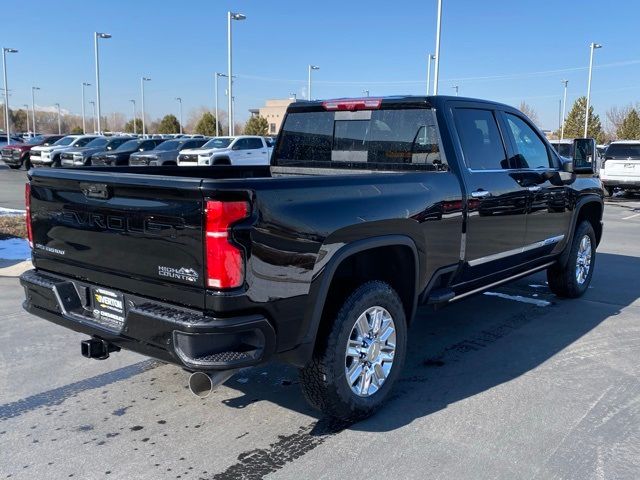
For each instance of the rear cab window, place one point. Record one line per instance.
(480, 138)
(383, 139)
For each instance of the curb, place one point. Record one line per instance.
(16, 270)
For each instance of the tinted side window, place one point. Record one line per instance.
(254, 143)
(148, 145)
(531, 151)
(241, 144)
(481, 141)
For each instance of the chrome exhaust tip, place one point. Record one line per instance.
(201, 384)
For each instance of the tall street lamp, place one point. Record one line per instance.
(365, 93)
(33, 108)
(6, 90)
(294, 96)
(59, 122)
(135, 129)
(430, 57)
(311, 67)
(218, 74)
(455, 87)
(564, 107)
(26, 111)
(93, 104)
(179, 100)
(96, 36)
(142, 80)
(593, 46)
(84, 126)
(436, 71)
(231, 16)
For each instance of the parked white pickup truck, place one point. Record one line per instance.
(240, 150)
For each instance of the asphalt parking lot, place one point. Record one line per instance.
(519, 385)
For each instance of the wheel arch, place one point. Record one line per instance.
(402, 252)
(588, 208)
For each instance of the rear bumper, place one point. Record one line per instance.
(165, 331)
(620, 181)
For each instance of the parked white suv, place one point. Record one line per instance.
(621, 166)
(50, 155)
(240, 150)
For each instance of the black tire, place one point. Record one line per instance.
(323, 379)
(14, 167)
(563, 280)
(222, 161)
(55, 163)
(608, 191)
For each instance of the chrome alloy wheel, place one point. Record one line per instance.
(370, 351)
(583, 263)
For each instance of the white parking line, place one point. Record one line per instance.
(520, 298)
(631, 216)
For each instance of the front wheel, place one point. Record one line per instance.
(355, 366)
(14, 167)
(573, 279)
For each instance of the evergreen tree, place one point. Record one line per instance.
(574, 125)
(206, 125)
(629, 129)
(76, 131)
(169, 124)
(128, 127)
(256, 126)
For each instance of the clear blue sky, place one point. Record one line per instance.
(503, 50)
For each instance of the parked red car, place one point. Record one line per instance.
(17, 154)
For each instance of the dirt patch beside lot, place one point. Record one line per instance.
(13, 226)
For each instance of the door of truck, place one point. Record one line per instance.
(496, 202)
(536, 167)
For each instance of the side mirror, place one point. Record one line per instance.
(584, 156)
(567, 166)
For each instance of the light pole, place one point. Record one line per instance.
(231, 16)
(311, 67)
(96, 36)
(180, 102)
(218, 74)
(93, 104)
(59, 123)
(142, 80)
(294, 96)
(430, 57)
(455, 87)
(135, 129)
(365, 93)
(33, 108)
(6, 90)
(84, 125)
(564, 107)
(26, 111)
(593, 46)
(436, 71)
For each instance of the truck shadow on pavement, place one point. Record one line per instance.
(473, 346)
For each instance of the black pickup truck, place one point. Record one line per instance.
(370, 207)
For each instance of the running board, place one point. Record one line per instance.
(499, 282)
(440, 295)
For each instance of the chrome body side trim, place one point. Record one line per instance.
(516, 251)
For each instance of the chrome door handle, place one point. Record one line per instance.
(535, 188)
(480, 194)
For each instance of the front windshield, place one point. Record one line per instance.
(116, 142)
(168, 145)
(218, 143)
(37, 140)
(65, 141)
(97, 142)
(130, 145)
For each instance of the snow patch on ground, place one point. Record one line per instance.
(8, 212)
(15, 249)
(520, 298)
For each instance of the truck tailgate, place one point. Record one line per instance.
(132, 232)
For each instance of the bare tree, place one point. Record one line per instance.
(528, 111)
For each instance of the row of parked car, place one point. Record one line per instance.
(617, 164)
(119, 150)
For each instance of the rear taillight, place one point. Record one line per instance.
(351, 104)
(27, 203)
(224, 260)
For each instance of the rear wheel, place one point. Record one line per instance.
(14, 167)
(573, 279)
(355, 366)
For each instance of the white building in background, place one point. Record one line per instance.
(273, 111)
